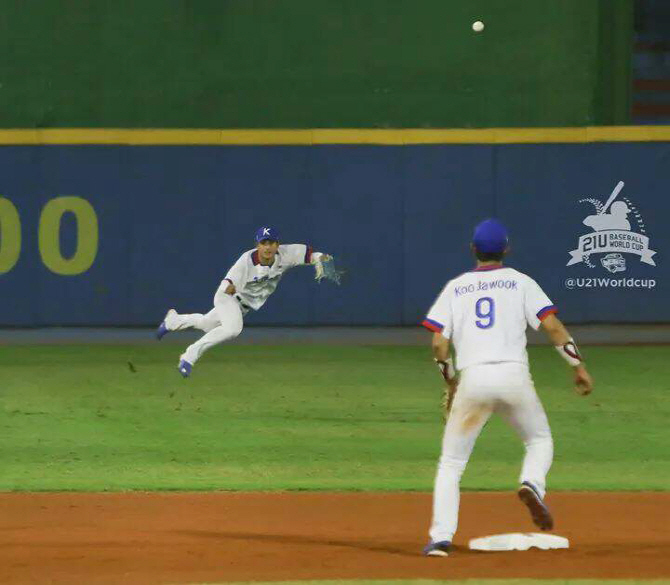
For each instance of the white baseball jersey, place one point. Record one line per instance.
(254, 283)
(485, 313)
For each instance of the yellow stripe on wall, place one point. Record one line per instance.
(319, 136)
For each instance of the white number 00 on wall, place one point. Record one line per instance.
(49, 235)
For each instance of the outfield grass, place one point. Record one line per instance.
(307, 417)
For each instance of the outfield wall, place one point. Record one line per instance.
(114, 234)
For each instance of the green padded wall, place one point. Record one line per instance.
(314, 63)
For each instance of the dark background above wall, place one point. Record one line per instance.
(304, 63)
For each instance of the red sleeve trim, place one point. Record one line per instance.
(542, 314)
(432, 325)
(308, 255)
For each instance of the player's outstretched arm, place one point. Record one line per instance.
(566, 346)
(302, 254)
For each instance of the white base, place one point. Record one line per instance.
(518, 541)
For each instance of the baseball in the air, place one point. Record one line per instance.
(478, 26)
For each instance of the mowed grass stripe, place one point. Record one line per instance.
(308, 418)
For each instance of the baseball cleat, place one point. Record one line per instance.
(538, 510)
(185, 368)
(437, 549)
(163, 328)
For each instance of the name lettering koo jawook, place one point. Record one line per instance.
(507, 284)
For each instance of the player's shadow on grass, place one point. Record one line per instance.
(303, 540)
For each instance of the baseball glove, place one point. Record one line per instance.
(448, 399)
(450, 385)
(325, 268)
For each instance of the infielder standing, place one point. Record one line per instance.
(246, 287)
(484, 313)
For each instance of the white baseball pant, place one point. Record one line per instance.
(222, 323)
(507, 389)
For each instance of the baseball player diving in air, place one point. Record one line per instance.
(484, 314)
(246, 287)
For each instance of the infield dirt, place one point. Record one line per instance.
(151, 538)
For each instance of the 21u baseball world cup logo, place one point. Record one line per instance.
(617, 229)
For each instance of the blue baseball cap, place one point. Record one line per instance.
(267, 233)
(490, 237)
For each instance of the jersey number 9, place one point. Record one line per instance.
(486, 311)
